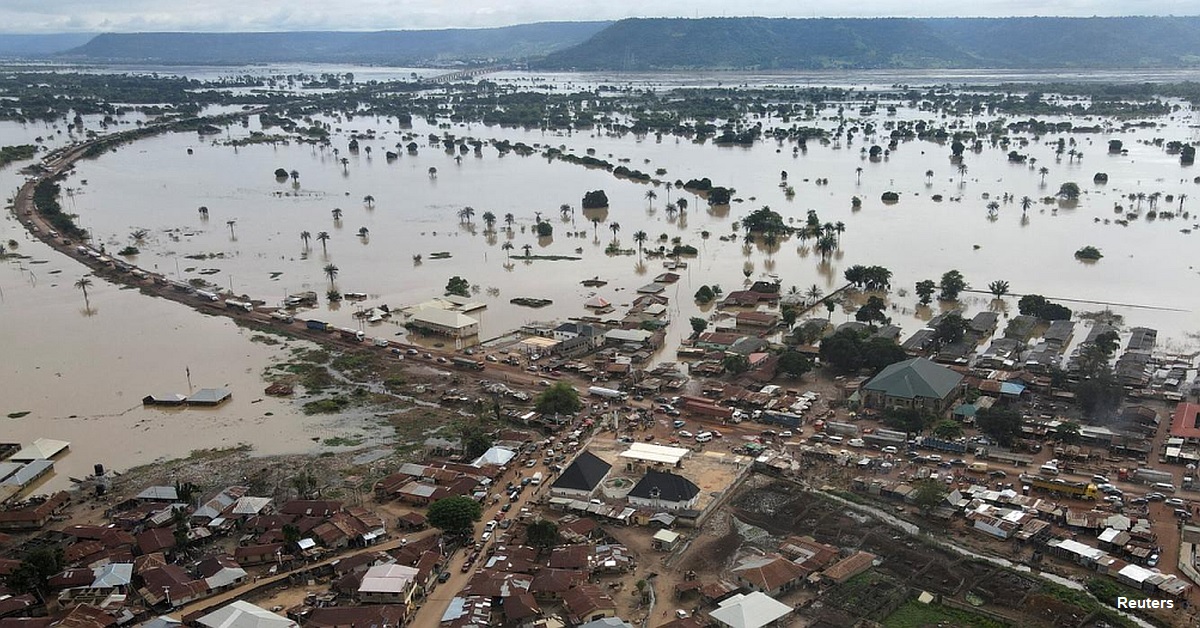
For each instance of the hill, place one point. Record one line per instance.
(27, 46)
(423, 47)
(831, 43)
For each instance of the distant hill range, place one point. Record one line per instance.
(402, 48)
(33, 46)
(796, 44)
(747, 43)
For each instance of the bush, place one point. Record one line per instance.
(1088, 253)
(890, 197)
(595, 199)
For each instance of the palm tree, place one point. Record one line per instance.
(565, 209)
(615, 227)
(962, 171)
(337, 214)
(1182, 198)
(928, 177)
(507, 247)
(304, 236)
(231, 223)
(858, 173)
(295, 176)
(203, 211)
(508, 220)
(331, 271)
(363, 232)
(671, 209)
(825, 245)
(323, 237)
(527, 248)
(465, 214)
(993, 208)
(1043, 171)
(595, 225)
(345, 164)
(83, 284)
(432, 172)
(368, 199)
(839, 228)
(489, 220)
(813, 293)
(998, 288)
(640, 237)
(682, 204)
(1026, 203)
(650, 196)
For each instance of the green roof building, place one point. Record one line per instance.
(916, 383)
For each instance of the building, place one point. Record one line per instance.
(388, 584)
(752, 610)
(242, 614)
(581, 478)
(664, 491)
(1185, 422)
(444, 322)
(771, 574)
(916, 383)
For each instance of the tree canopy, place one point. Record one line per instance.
(560, 398)
(458, 286)
(542, 534)
(1001, 423)
(1041, 307)
(794, 364)
(454, 515)
(952, 284)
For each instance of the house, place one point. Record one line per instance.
(171, 585)
(660, 490)
(388, 584)
(665, 540)
(34, 517)
(221, 573)
(581, 478)
(353, 616)
(1185, 422)
(849, 567)
(588, 602)
(757, 319)
(772, 574)
(593, 336)
(444, 322)
(916, 383)
(751, 610)
(241, 614)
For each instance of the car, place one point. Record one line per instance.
(443, 577)
(958, 462)
(466, 567)
(428, 356)
(681, 614)
(890, 450)
(933, 458)
(912, 455)
(412, 352)
(490, 358)
(531, 369)
(1139, 501)
(506, 508)
(1156, 497)
(717, 434)
(487, 536)
(1152, 561)
(1174, 501)
(1100, 479)
(997, 473)
(531, 463)
(678, 423)
(489, 526)
(786, 434)
(497, 517)
(685, 434)
(1182, 514)
(769, 433)
(1113, 499)
(945, 465)
(649, 438)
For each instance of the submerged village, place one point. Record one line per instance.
(783, 457)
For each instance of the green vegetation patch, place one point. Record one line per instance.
(914, 614)
(332, 405)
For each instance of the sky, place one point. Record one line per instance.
(60, 16)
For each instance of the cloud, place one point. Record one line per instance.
(39, 16)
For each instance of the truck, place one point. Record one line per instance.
(467, 363)
(204, 294)
(607, 393)
(1081, 490)
(841, 429)
(244, 306)
(1151, 476)
(316, 325)
(785, 419)
(938, 444)
(977, 467)
(352, 334)
(283, 316)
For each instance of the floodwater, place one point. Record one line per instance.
(1146, 263)
(82, 376)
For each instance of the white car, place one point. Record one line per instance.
(685, 434)
(786, 434)
(890, 450)
(933, 458)
(1174, 501)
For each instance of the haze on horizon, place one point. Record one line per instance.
(94, 16)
